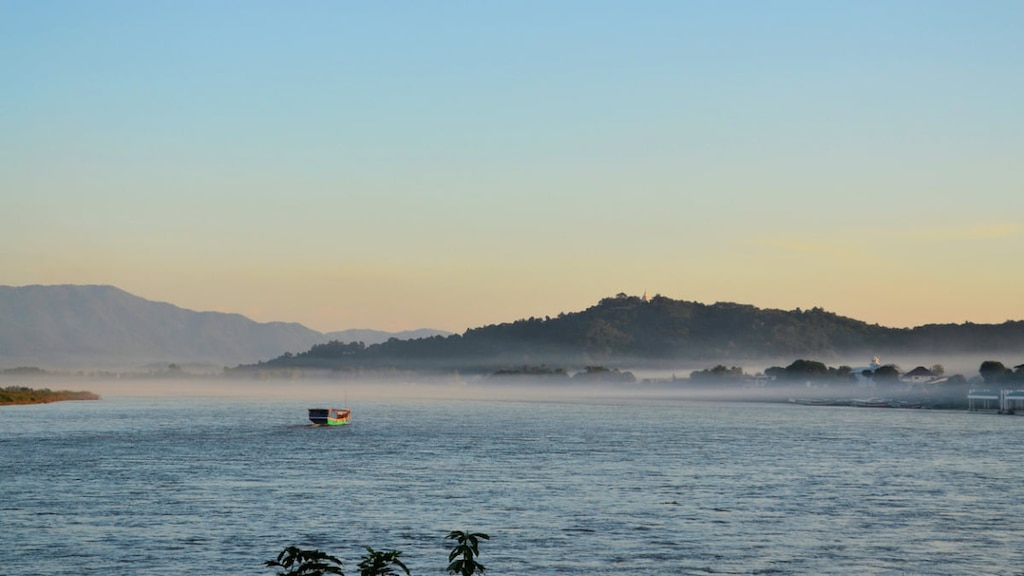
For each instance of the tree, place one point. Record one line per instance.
(777, 373)
(887, 374)
(993, 371)
(718, 373)
(808, 369)
(463, 557)
(843, 372)
(799, 370)
(602, 374)
(299, 562)
(381, 563)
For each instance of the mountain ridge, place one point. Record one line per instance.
(98, 326)
(661, 332)
(101, 326)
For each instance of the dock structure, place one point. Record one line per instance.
(1003, 401)
(983, 400)
(1011, 401)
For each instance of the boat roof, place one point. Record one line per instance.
(983, 395)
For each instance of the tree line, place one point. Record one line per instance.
(992, 372)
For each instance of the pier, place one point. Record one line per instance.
(1004, 401)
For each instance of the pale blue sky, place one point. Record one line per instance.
(398, 165)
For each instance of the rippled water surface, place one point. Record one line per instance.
(208, 485)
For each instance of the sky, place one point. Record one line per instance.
(399, 165)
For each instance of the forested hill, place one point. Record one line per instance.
(628, 329)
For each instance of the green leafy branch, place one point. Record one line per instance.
(463, 557)
(298, 562)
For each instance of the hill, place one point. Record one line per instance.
(630, 331)
(99, 327)
(94, 327)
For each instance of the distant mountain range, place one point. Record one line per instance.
(97, 327)
(72, 326)
(368, 337)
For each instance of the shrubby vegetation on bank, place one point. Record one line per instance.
(542, 371)
(24, 395)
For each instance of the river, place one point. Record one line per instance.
(198, 482)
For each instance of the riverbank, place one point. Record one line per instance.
(22, 395)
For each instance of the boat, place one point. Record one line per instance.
(886, 403)
(329, 416)
(873, 403)
(819, 402)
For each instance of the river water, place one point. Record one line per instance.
(199, 483)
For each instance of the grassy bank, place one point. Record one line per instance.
(22, 395)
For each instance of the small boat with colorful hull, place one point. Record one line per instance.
(329, 416)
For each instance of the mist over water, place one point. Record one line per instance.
(337, 392)
(191, 477)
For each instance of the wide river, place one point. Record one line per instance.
(201, 481)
